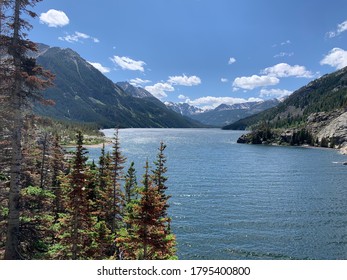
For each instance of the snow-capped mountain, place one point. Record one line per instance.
(224, 114)
(184, 108)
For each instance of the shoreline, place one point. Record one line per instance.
(107, 142)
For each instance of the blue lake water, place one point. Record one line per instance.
(234, 201)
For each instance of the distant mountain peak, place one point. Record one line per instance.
(184, 109)
(222, 114)
(82, 93)
(237, 106)
(134, 91)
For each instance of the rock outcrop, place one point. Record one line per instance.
(335, 131)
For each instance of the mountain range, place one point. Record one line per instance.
(224, 114)
(82, 93)
(319, 108)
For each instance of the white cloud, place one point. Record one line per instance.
(224, 80)
(211, 102)
(285, 70)
(101, 68)
(335, 58)
(159, 90)
(278, 93)
(232, 60)
(127, 63)
(82, 35)
(182, 97)
(78, 37)
(283, 54)
(342, 27)
(254, 81)
(54, 18)
(287, 42)
(138, 82)
(184, 80)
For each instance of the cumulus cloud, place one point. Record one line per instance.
(54, 18)
(138, 82)
(277, 93)
(211, 102)
(335, 58)
(101, 68)
(249, 83)
(159, 90)
(285, 70)
(232, 60)
(184, 80)
(182, 97)
(127, 63)
(78, 37)
(224, 80)
(342, 27)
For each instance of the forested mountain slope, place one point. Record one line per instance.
(82, 93)
(325, 94)
(316, 114)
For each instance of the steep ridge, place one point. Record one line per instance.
(82, 93)
(325, 94)
(317, 110)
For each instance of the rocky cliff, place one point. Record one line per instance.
(331, 127)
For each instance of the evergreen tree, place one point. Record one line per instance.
(24, 80)
(75, 225)
(159, 181)
(57, 171)
(105, 205)
(105, 188)
(130, 186)
(117, 167)
(131, 194)
(147, 237)
(36, 226)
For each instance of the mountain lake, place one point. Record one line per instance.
(236, 201)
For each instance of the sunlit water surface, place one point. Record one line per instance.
(234, 201)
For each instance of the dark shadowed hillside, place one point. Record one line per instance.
(82, 93)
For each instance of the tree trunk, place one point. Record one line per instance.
(12, 236)
(43, 173)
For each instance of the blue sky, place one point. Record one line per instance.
(205, 52)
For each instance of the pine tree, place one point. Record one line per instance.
(57, 171)
(130, 186)
(117, 167)
(147, 238)
(131, 195)
(75, 236)
(105, 188)
(36, 232)
(36, 200)
(5, 122)
(159, 178)
(24, 80)
(104, 212)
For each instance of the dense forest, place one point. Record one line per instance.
(313, 115)
(326, 94)
(59, 206)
